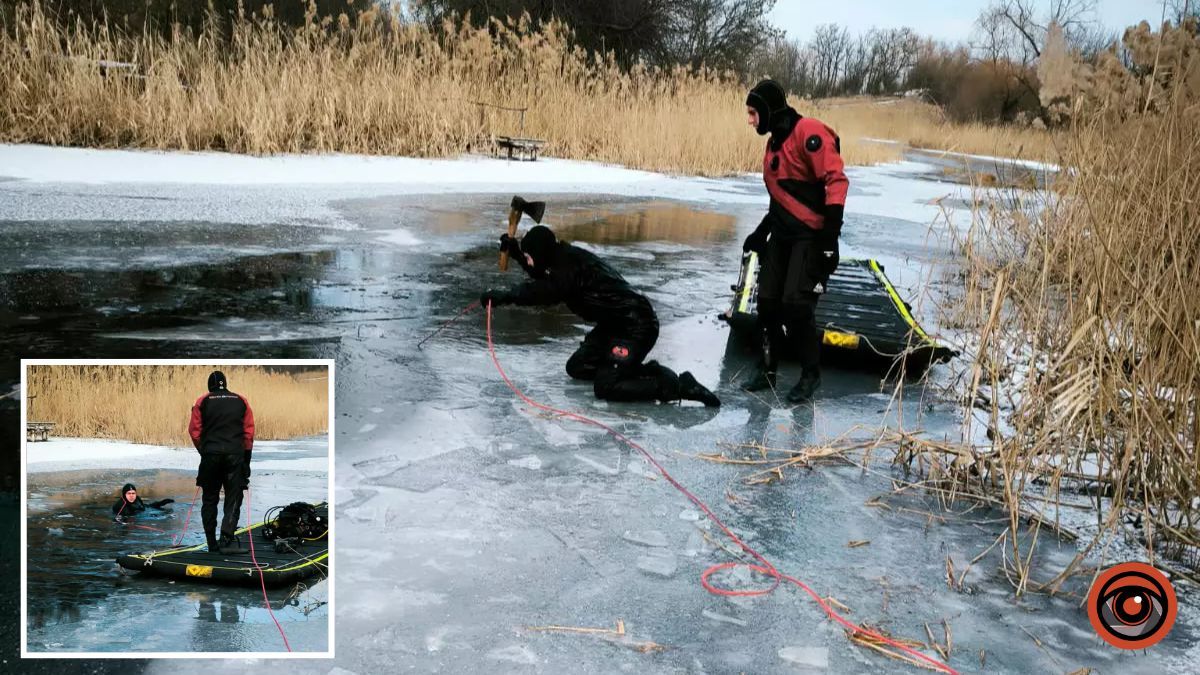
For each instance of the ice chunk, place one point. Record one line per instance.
(695, 544)
(367, 428)
(661, 564)
(646, 538)
(690, 515)
(531, 462)
(56, 531)
(809, 657)
(722, 618)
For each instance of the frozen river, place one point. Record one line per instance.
(464, 518)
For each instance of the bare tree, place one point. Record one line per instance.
(1179, 10)
(893, 53)
(719, 33)
(783, 60)
(829, 45)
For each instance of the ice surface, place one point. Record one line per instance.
(531, 462)
(518, 654)
(607, 470)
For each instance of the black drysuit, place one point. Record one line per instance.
(222, 429)
(613, 352)
(124, 508)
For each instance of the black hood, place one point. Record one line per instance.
(770, 101)
(540, 243)
(216, 381)
(126, 488)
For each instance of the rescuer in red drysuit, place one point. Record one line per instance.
(797, 241)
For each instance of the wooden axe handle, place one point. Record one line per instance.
(514, 217)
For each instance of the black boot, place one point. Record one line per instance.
(691, 390)
(762, 378)
(213, 545)
(231, 546)
(806, 387)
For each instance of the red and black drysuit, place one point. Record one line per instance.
(222, 429)
(613, 352)
(797, 240)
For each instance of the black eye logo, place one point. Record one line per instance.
(1132, 606)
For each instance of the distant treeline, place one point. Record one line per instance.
(162, 16)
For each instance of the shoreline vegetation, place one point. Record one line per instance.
(151, 405)
(377, 84)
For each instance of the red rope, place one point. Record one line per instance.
(182, 533)
(765, 566)
(261, 580)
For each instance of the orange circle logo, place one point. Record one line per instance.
(1132, 606)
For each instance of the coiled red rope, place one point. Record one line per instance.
(764, 566)
(261, 580)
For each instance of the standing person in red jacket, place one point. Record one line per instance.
(797, 241)
(222, 429)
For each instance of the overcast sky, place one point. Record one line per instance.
(949, 20)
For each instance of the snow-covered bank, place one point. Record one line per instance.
(42, 163)
(68, 454)
(1027, 163)
(144, 186)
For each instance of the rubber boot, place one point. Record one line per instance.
(806, 387)
(691, 390)
(762, 378)
(213, 545)
(231, 546)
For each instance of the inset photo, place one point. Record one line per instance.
(177, 508)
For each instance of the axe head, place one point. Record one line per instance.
(534, 210)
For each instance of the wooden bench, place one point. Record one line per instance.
(38, 431)
(525, 149)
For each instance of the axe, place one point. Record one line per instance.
(519, 206)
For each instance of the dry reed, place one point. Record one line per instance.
(374, 84)
(1085, 327)
(152, 404)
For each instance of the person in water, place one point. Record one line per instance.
(129, 503)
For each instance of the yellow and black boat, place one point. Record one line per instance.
(296, 559)
(864, 321)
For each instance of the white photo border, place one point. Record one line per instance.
(327, 363)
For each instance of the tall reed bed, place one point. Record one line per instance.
(1085, 322)
(371, 84)
(152, 404)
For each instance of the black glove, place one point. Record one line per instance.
(757, 240)
(511, 245)
(495, 297)
(161, 503)
(828, 238)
